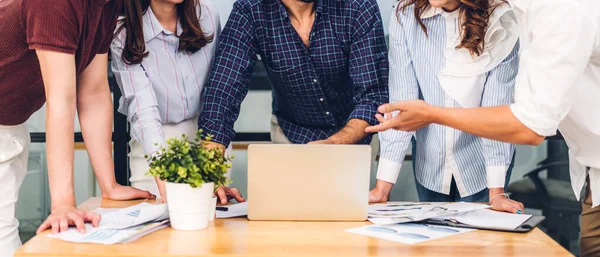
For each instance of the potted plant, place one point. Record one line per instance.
(192, 173)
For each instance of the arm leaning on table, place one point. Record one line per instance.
(95, 112)
(139, 102)
(228, 85)
(499, 90)
(229, 79)
(368, 69)
(95, 109)
(403, 86)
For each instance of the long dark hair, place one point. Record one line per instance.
(192, 37)
(474, 14)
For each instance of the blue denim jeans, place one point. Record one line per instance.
(426, 195)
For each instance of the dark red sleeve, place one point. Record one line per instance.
(109, 37)
(53, 24)
(111, 14)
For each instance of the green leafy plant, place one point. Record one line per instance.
(182, 161)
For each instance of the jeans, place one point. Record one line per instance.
(426, 195)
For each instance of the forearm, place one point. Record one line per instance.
(352, 133)
(58, 72)
(95, 111)
(59, 150)
(497, 123)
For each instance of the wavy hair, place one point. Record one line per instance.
(192, 36)
(474, 14)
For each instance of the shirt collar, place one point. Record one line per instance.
(520, 6)
(284, 14)
(433, 11)
(153, 28)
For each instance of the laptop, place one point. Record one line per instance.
(308, 182)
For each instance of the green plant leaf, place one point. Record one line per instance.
(190, 162)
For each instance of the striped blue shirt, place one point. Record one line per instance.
(442, 153)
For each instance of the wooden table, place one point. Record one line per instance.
(240, 237)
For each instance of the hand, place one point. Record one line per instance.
(413, 115)
(162, 189)
(501, 203)
(122, 193)
(212, 145)
(381, 192)
(225, 193)
(64, 216)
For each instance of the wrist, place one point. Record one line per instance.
(433, 115)
(383, 187)
(495, 193)
(107, 188)
(57, 204)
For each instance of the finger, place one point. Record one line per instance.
(222, 196)
(381, 127)
(391, 107)
(43, 227)
(55, 226)
(380, 118)
(144, 194)
(64, 224)
(511, 207)
(522, 206)
(92, 217)
(518, 207)
(237, 195)
(78, 221)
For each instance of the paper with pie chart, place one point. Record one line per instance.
(408, 233)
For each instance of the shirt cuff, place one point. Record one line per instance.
(219, 131)
(365, 112)
(496, 176)
(52, 48)
(388, 171)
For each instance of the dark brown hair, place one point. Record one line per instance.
(192, 36)
(474, 14)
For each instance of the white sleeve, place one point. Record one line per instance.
(558, 47)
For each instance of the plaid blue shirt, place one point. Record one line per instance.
(317, 90)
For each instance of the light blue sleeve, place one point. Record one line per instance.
(498, 91)
(403, 86)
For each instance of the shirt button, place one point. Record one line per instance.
(315, 80)
(321, 99)
(327, 113)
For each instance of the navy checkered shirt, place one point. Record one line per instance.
(343, 75)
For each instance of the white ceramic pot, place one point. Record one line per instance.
(213, 208)
(189, 207)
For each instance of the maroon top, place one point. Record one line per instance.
(80, 27)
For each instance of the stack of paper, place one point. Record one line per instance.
(487, 219)
(395, 221)
(402, 212)
(121, 225)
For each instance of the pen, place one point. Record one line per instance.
(219, 208)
